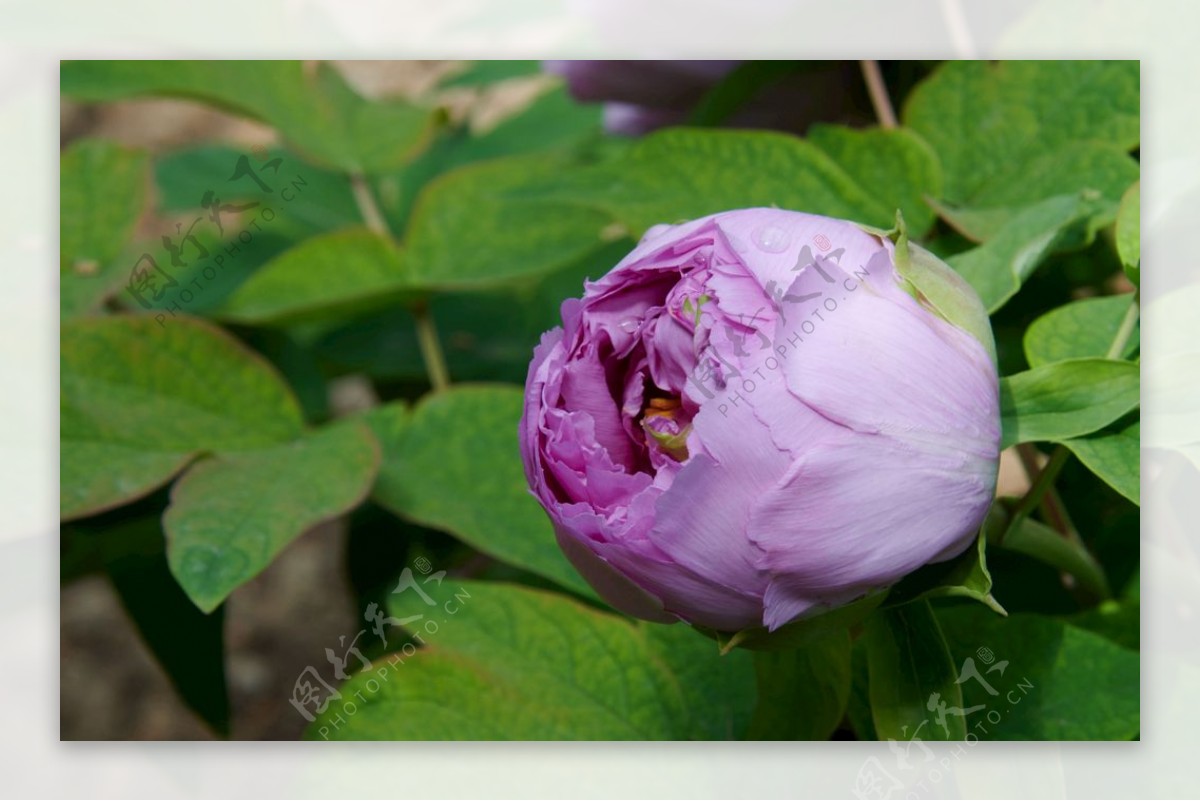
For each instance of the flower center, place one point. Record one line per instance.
(660, 420)
(661, 407)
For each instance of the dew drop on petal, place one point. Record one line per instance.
(629, 325)
(772, 239)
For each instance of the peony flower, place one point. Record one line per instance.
(761, 415)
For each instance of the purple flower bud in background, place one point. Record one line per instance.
(641, 96)
(760, 415)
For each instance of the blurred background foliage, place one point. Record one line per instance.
(265, 267)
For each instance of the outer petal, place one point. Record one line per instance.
(612, 585)
(654, 586)
(882, 365)
(546, 356)
(701, 520)
(776, 245)
(858, 513)
(688, 596)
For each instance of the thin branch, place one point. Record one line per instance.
(367, 205)
(1052, 507)
(431, 348)
(877, 89)
(1043, 482)
(1126, 329)
(427, 337)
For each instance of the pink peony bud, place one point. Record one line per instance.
(761, 415)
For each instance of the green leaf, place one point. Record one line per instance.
(102, 195)
(1129, 233)
(943, 290)
(508, 662)
(232, 514)
(321, 204)
(466, 439)
(896, 164)
(473, 228)
(1089, 169)
(136, 563)
(799, 633)
(552, 122)
(998, 268)
(1062, 400)
(487, 335)
(315, 109)
(739, 87)
(1117, 621)
(802, 693)
(1039, 541)
(139, 400)
(858, 709)
(717, 689)
(1133, 589)
(1060, 682)
(336, 274)
(965, 576)
(224, 224)
(910, 669)
(683, 173)
(1079, 330)
(212, 267)
(999, 128)
(484, 73)
(1114, 455)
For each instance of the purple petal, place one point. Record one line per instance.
(656, 584)
(611, 584)
(885, 365)
(858, 512)
(585, 389)
(701, 521)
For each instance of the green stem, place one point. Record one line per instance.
(431, 348)
(1052, 508)
(1044, 482)
(367, 205)
(427, 337)
(1125, 331)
